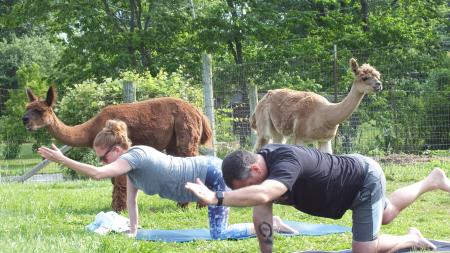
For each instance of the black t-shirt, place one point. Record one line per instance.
(318, 183)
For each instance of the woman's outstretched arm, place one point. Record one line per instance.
(117, 168)
(133, 212)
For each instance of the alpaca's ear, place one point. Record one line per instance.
(354, 65)
(31, 96)
(51, 96)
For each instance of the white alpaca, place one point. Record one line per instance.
(307, 117)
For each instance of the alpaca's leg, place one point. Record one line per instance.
(187, 134)
(264, 132)
(277, 137)
(261, 141)
(186, 142)
(298, 141)
(272, 131)
(186, 145)
(325, 147)
(173, 150)
(119, 194)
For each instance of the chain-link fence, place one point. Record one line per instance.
(407, 122)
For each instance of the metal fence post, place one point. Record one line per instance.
(253, 100)
(335, 81)
(129, 92)
(335, 72)
(208, 96)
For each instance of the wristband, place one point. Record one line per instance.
(219, 196)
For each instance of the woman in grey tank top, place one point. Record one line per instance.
(154, 172)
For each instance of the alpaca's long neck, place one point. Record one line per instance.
(78, 136)
(343, 110)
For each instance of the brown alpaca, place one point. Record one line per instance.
(307, 117)
(169, 124)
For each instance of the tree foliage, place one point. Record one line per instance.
(25, 51)
(270, 44)
(13, 132)
(105, 38)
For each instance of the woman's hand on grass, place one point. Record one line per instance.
(130, 233)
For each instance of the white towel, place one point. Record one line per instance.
(107, 222)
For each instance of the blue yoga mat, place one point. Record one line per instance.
(187, 235)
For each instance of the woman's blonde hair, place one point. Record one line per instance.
(114, 133)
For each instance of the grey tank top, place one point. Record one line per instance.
(154, 172)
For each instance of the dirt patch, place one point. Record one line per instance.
(405, 159)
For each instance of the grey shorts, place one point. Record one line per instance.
(369, 203)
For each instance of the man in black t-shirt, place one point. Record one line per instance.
(323, 185)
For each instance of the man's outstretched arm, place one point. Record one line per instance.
(253, 195)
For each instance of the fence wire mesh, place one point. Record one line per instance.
(406, 124)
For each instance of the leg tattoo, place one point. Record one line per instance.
(266, 231)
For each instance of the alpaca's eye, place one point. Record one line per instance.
(39, 112)
(365, 78)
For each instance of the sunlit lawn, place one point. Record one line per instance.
(51, 217)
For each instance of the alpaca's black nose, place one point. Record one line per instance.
(378, 86)
(25, 120)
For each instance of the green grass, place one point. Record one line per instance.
(51, 217)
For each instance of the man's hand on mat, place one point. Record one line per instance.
(202, 192)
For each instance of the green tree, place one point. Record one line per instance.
(106, 37)
(25, 51)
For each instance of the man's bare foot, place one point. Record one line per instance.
(281, 227)
(438, 180)
(201, 204)
(419, 240)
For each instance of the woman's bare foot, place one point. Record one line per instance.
(281, 227)
(438, 180)
(419, 241)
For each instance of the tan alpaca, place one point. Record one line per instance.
(169, 124)
(307, 117)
